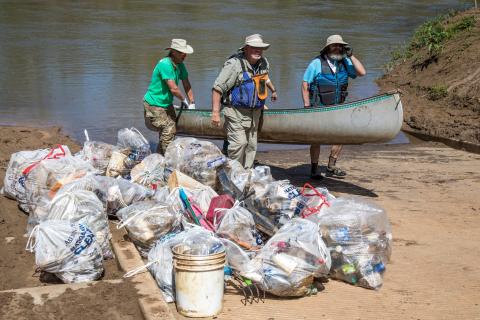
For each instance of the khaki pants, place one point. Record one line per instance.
(161, 120)
(241, 126)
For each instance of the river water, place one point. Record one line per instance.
(86, 64)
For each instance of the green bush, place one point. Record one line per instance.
(432, 36)
(466, 23)
(436, 92)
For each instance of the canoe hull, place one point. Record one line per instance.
(373, 120)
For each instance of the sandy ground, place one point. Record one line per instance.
(17, 266)
(429, 191)
(100, 300)
(431, 195)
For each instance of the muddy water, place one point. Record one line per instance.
(86, 64)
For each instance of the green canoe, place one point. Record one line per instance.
(375, 119)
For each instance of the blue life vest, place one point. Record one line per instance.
(327, 87)
(244, 94)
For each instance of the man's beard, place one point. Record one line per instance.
(335, 56)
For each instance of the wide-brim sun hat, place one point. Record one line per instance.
(181, 46)
(255, 40)
(334, 39)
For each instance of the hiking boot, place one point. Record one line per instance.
(335, 172)
(316, 176)
(313, 172)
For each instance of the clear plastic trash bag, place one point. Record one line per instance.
(114, 193)
(150, 172)
(261, 174)
(233, 179)
(89, 182)
(67, 249)
(146, 222)
(313, 202)
(240, 260)
(291, 259)
(196, 158)
(97, 153)
(160, 257)
(117, 165)
(20, 165)
(359, 238)
(46, 178)
(82, 206)
(272, 203)
(237, 224)
(121, 193)
(161, 194)
(131, 138)
(199, 197)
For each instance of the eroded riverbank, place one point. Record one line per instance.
(439, 74)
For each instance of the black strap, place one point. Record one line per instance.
(244, 70)
(242, 64)
(179, 114)
(323, 60)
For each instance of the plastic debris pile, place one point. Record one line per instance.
(359, 240)
(276, 237)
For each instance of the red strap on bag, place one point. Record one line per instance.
(313, 210)
(50, 155)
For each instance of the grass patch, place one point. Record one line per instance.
(436, 92)
(431, 36)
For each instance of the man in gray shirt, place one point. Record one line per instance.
(241, 87)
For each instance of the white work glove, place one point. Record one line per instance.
(191, 106)
(184, 104)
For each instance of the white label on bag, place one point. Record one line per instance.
(290, 190)
(84, 240)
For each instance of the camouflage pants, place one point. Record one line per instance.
(161, 120)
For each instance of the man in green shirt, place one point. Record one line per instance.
(158, 101)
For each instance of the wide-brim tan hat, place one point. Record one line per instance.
(334, 39)
(180, 45)
(255, 40)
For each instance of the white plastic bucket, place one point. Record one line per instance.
(198, 282)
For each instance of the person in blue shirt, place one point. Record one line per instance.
(325, 83)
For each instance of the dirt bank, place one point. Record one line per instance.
(99, 300)
(439, 72)
(17, 266)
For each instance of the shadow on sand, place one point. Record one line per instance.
(298, 176)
